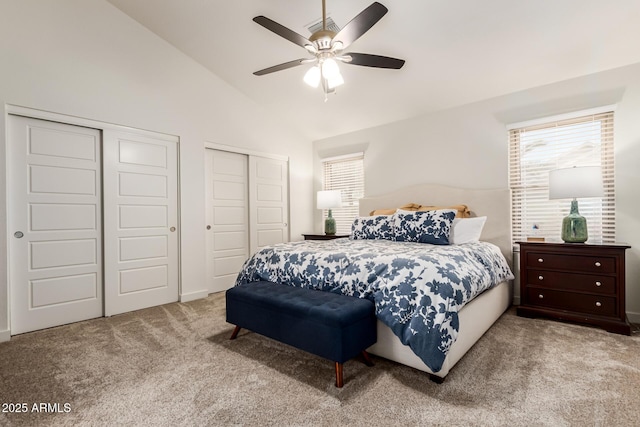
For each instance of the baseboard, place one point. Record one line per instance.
(192, 296)
(633, 317)
(5, 335)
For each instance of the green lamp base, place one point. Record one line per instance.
(329, 225)
(574, 226)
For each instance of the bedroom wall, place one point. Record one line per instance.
(468, 146)
(85, 58)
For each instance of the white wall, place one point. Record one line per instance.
(85, 58)
(468, 146)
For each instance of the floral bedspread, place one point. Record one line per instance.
(418, 289)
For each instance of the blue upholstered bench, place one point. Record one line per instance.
(336, 327)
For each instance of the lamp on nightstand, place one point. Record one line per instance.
(574, 183)
(329, 199)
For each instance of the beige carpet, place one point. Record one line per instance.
(174, 365)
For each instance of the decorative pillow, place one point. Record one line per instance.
(424, 227)
(378, 227)
(462, 210)
(465, 230)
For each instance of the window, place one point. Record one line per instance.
(535, 148)
(345, 173)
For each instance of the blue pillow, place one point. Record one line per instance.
(372, 228)
(424, 227)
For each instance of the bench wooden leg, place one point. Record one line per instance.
(339, 381)
(367, 359)
(234, 334)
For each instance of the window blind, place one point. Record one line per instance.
(537, 149)
(345, 173)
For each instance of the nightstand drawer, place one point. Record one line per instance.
(580, 264)
(572, 281)
(583, 303)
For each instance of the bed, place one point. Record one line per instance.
(435, 335)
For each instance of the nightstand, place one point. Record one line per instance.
(323, 236)
(576, 282)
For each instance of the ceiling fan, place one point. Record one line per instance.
(327, 47)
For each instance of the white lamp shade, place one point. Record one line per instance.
(576, 182)
(329, 199)
(312, 77)
(330, 68)
(335, 81)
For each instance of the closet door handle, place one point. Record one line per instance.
(172, 229)
(18, 234)
(208, 227)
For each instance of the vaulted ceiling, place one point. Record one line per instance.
(456, 51)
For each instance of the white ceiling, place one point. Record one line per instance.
(456, 51)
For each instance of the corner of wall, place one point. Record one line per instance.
(633, 317)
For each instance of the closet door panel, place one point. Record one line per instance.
(141, 219)
(54, 221)
(227, 214)
(269, 201)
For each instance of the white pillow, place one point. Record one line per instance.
(465, 230)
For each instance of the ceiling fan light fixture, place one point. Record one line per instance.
(330, 68)
(312, 76)
(326, 45)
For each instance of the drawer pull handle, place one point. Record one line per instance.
(540, 296)
(598, 284)
(540, 260)
(540, 278)
(598, 304)
(598, 264)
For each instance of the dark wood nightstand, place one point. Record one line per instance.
(582, 283)
(323, 236)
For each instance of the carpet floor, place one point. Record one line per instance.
(175, 365)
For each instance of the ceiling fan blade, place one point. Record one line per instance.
(281, 67)
(377, 61)
(360, 24)
(282, 31)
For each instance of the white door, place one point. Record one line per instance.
(54, 222)
(227, 217)
(268, 201)
(140, 220)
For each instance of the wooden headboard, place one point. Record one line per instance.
(495, 204)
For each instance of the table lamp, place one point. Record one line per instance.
(329, 199)
(574, 183)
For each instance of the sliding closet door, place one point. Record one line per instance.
(140, 221)
(227, 217)
(54, 224)
(269, 202)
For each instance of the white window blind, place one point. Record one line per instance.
(535, 150)
(345, 173)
